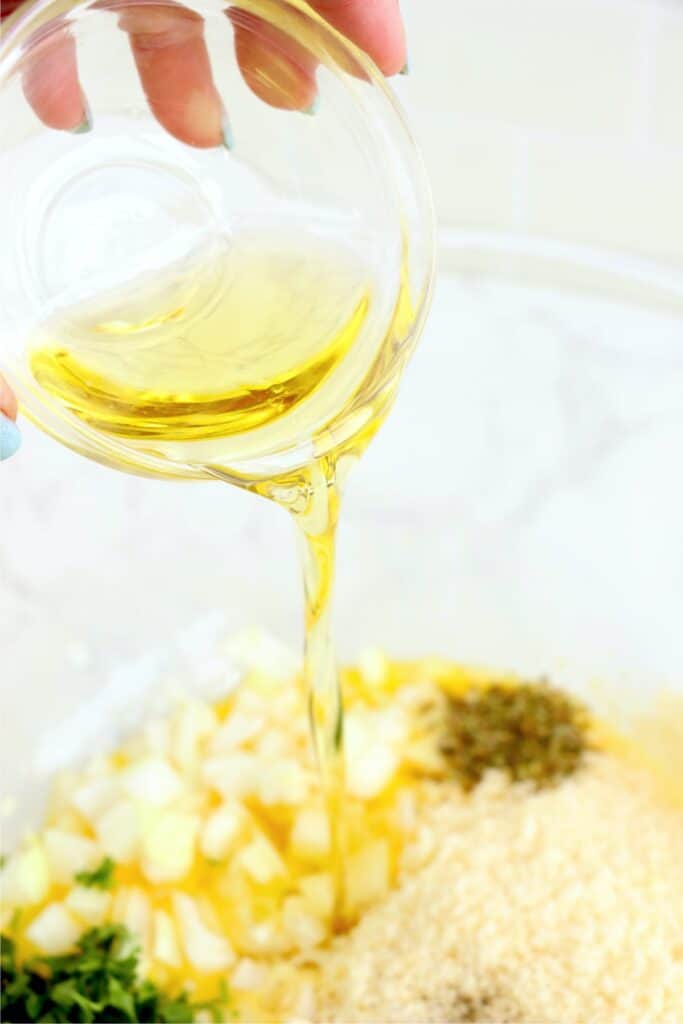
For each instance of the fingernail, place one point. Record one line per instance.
(10, 438)
(86, 123)
(226, 131)
(313, 108)
(405, 70)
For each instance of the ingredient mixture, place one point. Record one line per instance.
(504, 862)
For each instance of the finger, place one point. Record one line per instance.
(8, 403)
(373, 25)
(10, 438)
(173, 64)
(51, 85)
(276, 68)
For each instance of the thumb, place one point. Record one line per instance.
(8, 403)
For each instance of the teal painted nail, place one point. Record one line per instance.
(313, 108)
(228, 137)
(10, 438)
(86, 123)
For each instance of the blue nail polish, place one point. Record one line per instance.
(86, 123)
(313, 108)
(228, 137)
(10, 438)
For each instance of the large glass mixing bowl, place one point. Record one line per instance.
(96, 210)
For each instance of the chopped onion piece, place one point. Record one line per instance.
(239, 727)
(91, 905)
(153, 780)
(168, 846)
(310, 837)
(54, 930)
(317, 892)
(368, 874)
(249, 975)
(95, 797)
(205, 950)
(25, 878)
(304, 929)
(261, 861)
(222, 829)
(193, 724)
(235, 775)
(165, 945)
(118, 831)
(68, 853)
(283, 782)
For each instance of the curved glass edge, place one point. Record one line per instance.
(539, 261)
(405, 168)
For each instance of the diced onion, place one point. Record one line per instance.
(249, 974)
(193, 724)
(54, 930)
(96, 796)
(165, 945)
(222, 829)
(368, 875)
(205, 950)
(303, 928)
(239, 728)
(25, 878)
(68, 853)
(234, 775)
(317, 891)
(91, 905)
(261, 861)
(152, 780)
(118, 831)
(310, 837)
(168, 847)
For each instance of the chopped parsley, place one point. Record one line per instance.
(96, 983)
(102, 877)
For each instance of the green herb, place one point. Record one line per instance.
(102, 877)
(96, 983)
(532, 732)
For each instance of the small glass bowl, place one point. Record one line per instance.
(91, 209)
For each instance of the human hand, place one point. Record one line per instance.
(167, 42)
(172, 60)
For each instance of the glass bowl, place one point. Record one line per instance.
(118, 200)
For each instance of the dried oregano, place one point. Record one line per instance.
(532, 731)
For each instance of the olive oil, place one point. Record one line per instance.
(274, 346)
(207, 355)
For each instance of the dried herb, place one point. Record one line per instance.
(102, 877)
(532, 731)
(485, 1008)
(97, 982)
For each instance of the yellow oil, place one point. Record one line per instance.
(208, 354)
(273, 340)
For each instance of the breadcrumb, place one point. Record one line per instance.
(562, 905)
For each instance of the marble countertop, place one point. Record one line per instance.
(522, 508)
